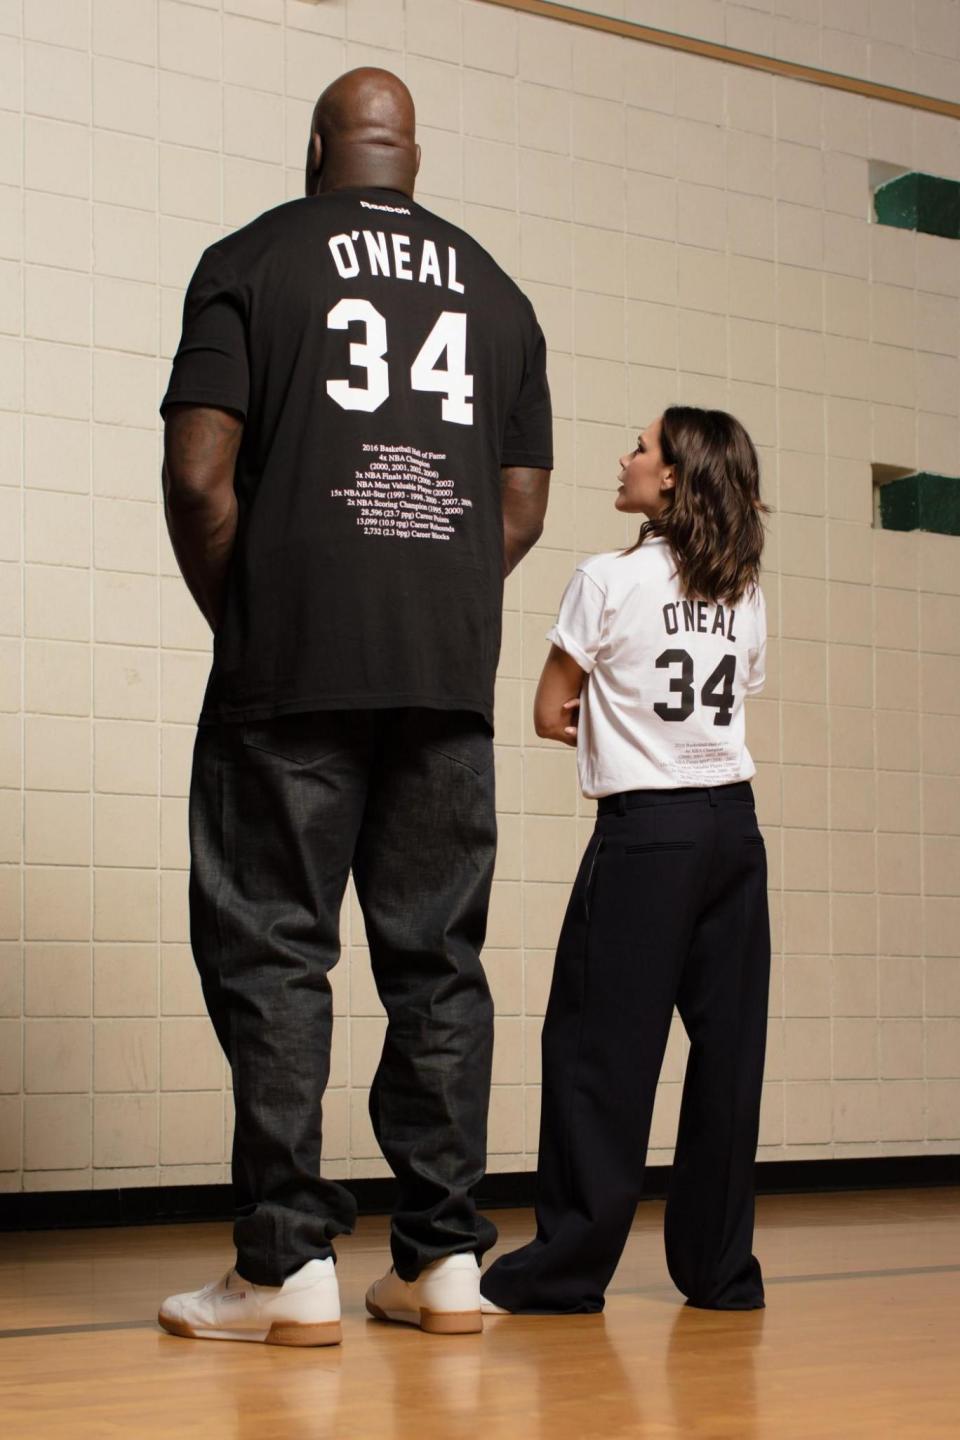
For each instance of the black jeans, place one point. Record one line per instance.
(669, 908)
(280, 811)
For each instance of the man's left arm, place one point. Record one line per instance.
(201, 444)
(525, 493)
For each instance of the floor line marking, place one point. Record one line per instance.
(77, 1329)
(43, 1330)
(860, 1274)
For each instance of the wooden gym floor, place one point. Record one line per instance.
(860, 1338)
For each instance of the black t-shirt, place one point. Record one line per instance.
(386, 368)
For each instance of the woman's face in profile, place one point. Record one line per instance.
(645, 480)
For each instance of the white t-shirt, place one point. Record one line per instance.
(662, 706)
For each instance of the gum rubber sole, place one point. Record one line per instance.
(439, 1322)
(327, 1333)
(432, 1322)
(280, 1333)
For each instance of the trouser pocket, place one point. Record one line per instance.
(588, 887)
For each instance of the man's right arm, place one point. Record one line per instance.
(201, 444)
(525, 493)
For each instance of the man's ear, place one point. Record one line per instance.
(314, 163)
(417, 166)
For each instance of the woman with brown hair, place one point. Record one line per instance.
(657, 647)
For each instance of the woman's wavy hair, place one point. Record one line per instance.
(714, 521)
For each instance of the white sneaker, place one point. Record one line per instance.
(443, 1300)
(488, 1308)
(304, 1310)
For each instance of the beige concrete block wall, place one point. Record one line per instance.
(687, 230)
(911, 44)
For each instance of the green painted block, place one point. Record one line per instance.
(940, 504)
(900, 504)
(939, 207)
(921, 502)
(927, 203)
(898, 202)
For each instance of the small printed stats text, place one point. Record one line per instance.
(399, 492)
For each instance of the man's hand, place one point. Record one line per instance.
(525, 493)
(200, 452)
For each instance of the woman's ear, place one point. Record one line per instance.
(668, 480)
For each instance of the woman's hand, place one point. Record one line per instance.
(570, 731)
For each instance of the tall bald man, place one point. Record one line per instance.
(358, 449)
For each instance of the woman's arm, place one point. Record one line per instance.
(558, 696)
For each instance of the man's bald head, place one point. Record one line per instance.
(363, 133)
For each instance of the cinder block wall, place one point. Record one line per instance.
(912, 44)
(687, 230)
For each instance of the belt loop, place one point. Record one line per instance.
(621, 804)
(712, 795)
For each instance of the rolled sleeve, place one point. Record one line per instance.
(758, 670)
(579, 627)
(758, 652)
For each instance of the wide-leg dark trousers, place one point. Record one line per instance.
(280, 812)
(669, 909)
